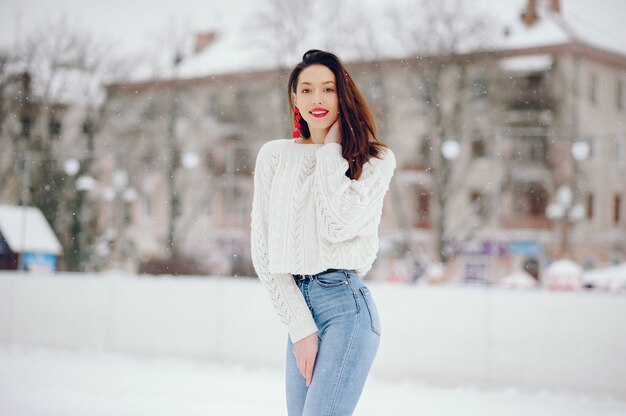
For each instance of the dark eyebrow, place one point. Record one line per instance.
(308, 83)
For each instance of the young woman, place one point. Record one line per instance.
(317, 204)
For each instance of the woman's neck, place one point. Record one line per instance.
(318, 135)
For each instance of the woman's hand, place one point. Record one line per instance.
(305, 351)
(334, 133)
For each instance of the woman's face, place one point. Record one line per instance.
(316, 97)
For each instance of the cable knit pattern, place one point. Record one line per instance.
(308, 216)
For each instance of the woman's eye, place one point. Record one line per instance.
(304, 91)
(330, 90)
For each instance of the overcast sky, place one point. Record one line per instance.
(137, 22)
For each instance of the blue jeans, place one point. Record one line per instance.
(349, 334)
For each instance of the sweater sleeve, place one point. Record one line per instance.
(345, 206)
(283, 291)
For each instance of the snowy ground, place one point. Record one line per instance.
(42, 382)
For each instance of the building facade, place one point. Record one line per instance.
(518, 112)
(506, 159)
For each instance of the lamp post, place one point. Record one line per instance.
(174, 153)
(565, 209)
(450, 150)
(119, 195)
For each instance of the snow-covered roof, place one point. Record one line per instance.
(38, 236)
(527, 63)
(232, 52)
(236, 45)
(550, 28)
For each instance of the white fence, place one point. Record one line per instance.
(452, 335)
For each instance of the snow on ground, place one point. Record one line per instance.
(39, 382)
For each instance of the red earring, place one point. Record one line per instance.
(296, 124)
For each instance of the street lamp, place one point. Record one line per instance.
(71, 166)
(86, 183)
(190, 160)
(450, 150)
(564, 210)
(120, 191)
(580, 150)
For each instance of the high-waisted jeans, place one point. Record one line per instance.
(349, 335)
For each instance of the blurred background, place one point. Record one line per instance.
(128, 136)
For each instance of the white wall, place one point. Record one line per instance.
(484, 336)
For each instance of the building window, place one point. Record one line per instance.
(26, 123)
(88, 127)
(426, 148)
(590, 206)
(54, 129)
(477, 203)
(530, 199)
(537, 200)
(150, 111)
(534, 82)
(479, 88)
(620, 94)
(375, 92)
(617, 205)
(530, 148)
(593, 87)
(426, 90)
(212, 106)
(245, 104)
(538, 149)
(423, 208)
(478, 145)
(146, 208)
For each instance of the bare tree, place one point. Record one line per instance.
(438, 33)
(56, 71)
(174, 45)
(280, 28)
(285, 29)
(348, 28)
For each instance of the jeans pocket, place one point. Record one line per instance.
(371, 308)
(332, 279)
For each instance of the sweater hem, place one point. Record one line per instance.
(359, 269)
(296, 333)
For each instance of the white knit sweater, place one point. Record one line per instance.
(308, 216)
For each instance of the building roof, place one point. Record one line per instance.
(228, 53)
(553, 28)
(38, 236)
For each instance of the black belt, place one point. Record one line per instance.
(299, 277)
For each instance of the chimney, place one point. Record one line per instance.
(555, 6)
(25, 79)
(202, 40)
(529, 17)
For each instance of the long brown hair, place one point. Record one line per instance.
(358, 129)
